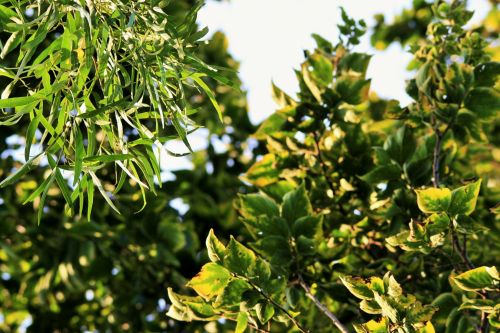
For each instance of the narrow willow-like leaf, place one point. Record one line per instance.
(29, 165)
(30, 135)
(81, 187)
(95, 78)
(61, 182)
(18, 101)
(79, 154)
(97, 183)
(180, 130)
(132, 174)
(41, 204)
(209, 93)
(90, 198)
(47, 182)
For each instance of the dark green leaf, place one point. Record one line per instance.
(485, 102)
(382, 173)
(296, 204)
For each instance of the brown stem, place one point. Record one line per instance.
(485, 324)
(437, 150)
(322, 308)
(462, 252)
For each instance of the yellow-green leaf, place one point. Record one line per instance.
(19, 101)
(388, 307)
(215, 248)
(238, 258)
(210, 281)
(357, 286)
(433, 200)
(263, 172)
(252, 206)
(428, 328)
(478, 278)
(373, 326)
(241, 322)
(377, 326)
(463, 199)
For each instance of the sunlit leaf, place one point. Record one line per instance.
(464, 198)
(478, 278)
(210, 281)
(433, 200)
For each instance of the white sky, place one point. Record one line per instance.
(268, 37)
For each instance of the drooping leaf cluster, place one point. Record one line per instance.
(112, 272)
(100, 83)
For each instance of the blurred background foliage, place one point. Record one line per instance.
(111, 273)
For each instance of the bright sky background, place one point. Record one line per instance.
(268, 37)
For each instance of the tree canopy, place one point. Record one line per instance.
(341, 212)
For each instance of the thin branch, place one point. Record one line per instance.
(462, 252)
(282, 309)
(437, 149)
(321, 307)
(485, 324)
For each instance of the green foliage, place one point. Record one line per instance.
(238, 281)
(104, 83)
(449, 211)
(342, 188)
(476, 280)
(254, 282)
(352, 185)
(401, 313)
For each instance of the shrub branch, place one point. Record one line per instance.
(322, 307)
